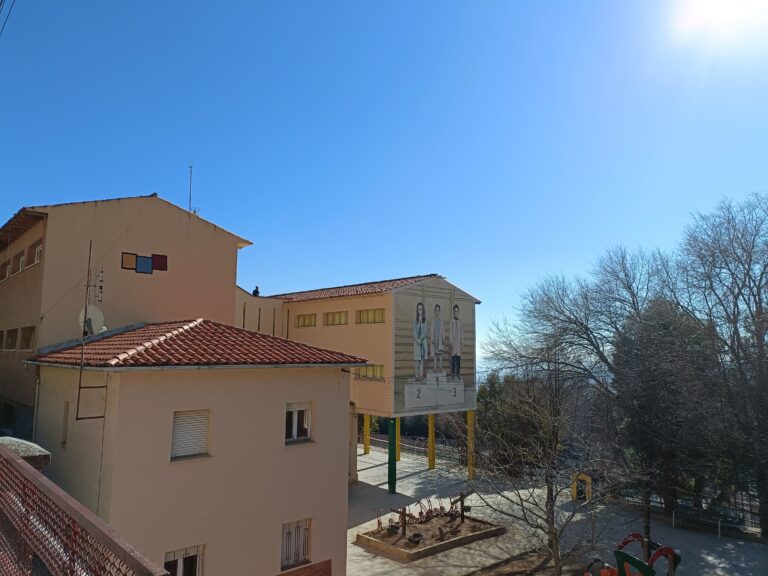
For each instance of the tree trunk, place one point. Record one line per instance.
(553, 542)
(698, 491)
(670, 500)
(646, 502)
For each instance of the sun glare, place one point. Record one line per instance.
(723, 23)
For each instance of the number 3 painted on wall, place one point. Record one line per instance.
(454, 391)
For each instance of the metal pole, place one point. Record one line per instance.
(397, 432)
(392, 460)
(471, 444)
(431, 441)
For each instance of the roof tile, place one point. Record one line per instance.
(192, 343)
(352, 289)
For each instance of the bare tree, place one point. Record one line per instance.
(720, 277)
(534, 435)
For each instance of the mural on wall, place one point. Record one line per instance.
(144, 264)
(434, 349)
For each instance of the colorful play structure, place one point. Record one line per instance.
(629, 565)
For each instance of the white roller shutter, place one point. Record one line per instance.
(190, 433)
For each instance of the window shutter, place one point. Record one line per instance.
(190, 433)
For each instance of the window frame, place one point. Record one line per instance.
(178, 557)
(329, 318)
(19, 258)
(301, 320)
(15, 332)
(362, 373)
(207, 445)
(362, 316)
(31, 339)
(285, 551)
(35, 253)
(293, 408)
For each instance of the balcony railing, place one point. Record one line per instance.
(46, 532)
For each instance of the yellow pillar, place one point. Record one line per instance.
(471, 444)
(366, 433)
(431, 441)
(397, 432)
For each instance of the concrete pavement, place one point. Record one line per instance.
(703, 553)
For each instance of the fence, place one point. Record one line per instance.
(46, 532)
(417, 447)
(739, 513)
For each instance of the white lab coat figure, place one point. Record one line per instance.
(437, 337)
(457, 343)
(419, 340)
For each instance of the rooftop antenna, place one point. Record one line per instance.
(190, 187)
(91, 320)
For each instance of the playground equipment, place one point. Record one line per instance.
(629, 565)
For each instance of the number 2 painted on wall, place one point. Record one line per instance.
(418, 392)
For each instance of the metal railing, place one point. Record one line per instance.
(443, 450)
(46, 532)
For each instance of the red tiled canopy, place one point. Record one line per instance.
(192, 343)
(352, 289)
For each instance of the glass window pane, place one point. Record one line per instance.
(289, 425)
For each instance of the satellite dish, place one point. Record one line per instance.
(94, 323)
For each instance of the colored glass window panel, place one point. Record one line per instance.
(159, 262)
(144, 264)
(129, 261)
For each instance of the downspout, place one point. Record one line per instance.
(36, 374)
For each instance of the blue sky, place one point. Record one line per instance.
(491, 142)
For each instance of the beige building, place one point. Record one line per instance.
(418, 333)
(145, 255)
(233, 443)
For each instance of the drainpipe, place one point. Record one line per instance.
(36, 374)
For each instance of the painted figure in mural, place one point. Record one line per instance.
(457, 342)
(436, 337)
(420, 340)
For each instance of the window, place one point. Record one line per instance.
(306, 320)
(298, 422)
(17, 264)
(335, 318)
(372, 371)
(10, 339)
(190, 434)
(27, 338)
(369, 316)
(185, 562)
(35, 253)
(295, 543)
(5, 270)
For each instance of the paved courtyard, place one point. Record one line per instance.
(702, 553)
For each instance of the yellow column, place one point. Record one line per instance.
(397, 432)
(431, 441)
(366, 433)
(471, 444)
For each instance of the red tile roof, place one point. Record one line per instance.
(353, 289)
(192, 343)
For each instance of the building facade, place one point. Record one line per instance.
(143, 254)
(418, 334)
(233, 443)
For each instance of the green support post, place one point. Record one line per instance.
(392, 468)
